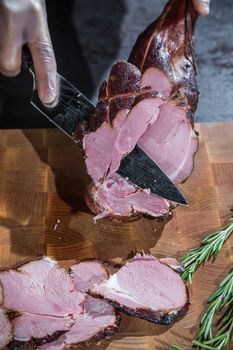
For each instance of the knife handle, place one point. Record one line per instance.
(27, 61)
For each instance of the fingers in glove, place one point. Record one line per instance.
(44, 61)
(43, 58)
(10, 46)
(202, 6)
(45, 69)
(10, 60)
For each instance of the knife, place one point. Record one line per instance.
(72, 107)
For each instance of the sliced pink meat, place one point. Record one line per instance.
(171, 142)
(42, 288)
(105, 147)
(116, 198)
(55, 309)
(146, 288)
(40, 329)
(87, 273)
(138, 119)
(157, 80)
(162, 64)
(99, 319)
(98, 147)
(39, 269)
(6, 331)
(59, 289)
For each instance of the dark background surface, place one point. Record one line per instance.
(89, 35)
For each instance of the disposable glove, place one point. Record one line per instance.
(25, 22)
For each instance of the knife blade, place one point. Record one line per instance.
(72, 107)
(138, 168)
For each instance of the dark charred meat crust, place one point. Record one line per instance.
(47, 339)
(100, 115)
(154, 317)
(103, 91)
(18, 345)
(158, 317)
(168, 44)
(145, 94)
(124, 78)
(105, 333)
(80, 131)
(117, 103)
(35, 342)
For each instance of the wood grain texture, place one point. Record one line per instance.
(42, 211)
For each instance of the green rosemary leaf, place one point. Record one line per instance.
(203, 346)
(209, 247)
(222, 299)
(175, 347)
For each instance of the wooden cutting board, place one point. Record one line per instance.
(42, 211)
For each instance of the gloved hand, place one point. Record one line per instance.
(202, 6)
(21, 22)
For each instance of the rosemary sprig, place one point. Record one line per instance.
(209, 247)
(221, 299)
(223, 336)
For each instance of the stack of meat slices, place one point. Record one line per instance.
(148, 288)
(6, 332)
(51, 309)
(148, 101)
